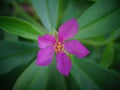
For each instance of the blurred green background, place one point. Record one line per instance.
(22, 21)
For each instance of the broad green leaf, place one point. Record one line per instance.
(115, 35)
(108, 55)
(72, 85)
(95, 55)
(56, 80)
(74, 9)
(101, 18)
(94, 42)
(19, 27)
(19, 12)
(91, 76)
(84, 80)
(33, 78)
(10, 37)
(40, 78)
(15, 54)
(47, 11)
(97, 11)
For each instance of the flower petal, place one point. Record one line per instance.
(76, 48)
(68, 30)
(44, 56)
(45, 40)
(63, 63)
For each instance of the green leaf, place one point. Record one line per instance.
(94, 42)
(108, 55)
(47, 11)
(33, 78)
(40, 78)
(91, 76)
(97, 11)
(115, 35)
(72, 85)
(10, 37)
(99, 19)
(19, 27)
(20, 12)
(15, 54)
(56, 80)
(76, 6)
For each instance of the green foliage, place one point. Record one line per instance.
(19, 27)
(35, 78)
(15, 54)
(101, 18)
(108, 55)
(88, 75)
(99, 22)
(47, 11)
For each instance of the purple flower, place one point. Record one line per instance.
(61, 46)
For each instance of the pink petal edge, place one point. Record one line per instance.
(46, 40)
(45, 56)
(64, 64)
(68, 30)
(76, 48)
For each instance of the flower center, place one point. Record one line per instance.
(59, 47)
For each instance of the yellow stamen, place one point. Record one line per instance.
(59, 47)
